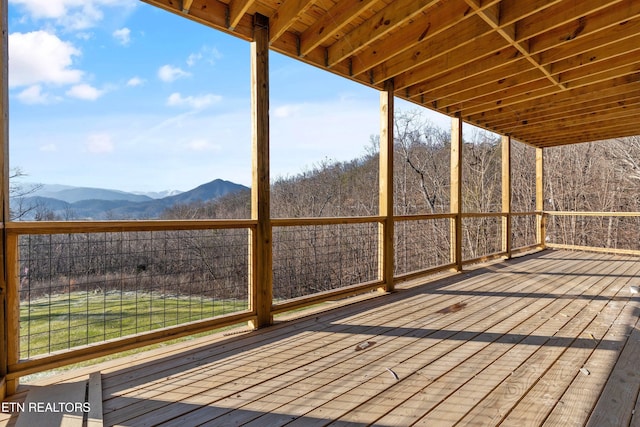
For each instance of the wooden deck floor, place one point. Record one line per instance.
(546, 339)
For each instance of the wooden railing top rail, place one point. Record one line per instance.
(293, 222)
(573, 213)
(59, 227)
(420, 217)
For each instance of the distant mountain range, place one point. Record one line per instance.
(99, 203)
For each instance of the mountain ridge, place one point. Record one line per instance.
(61, 201)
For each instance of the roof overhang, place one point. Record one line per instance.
(545, 72)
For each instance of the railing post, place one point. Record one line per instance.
(12, 331)
(4, 202)
(386, 229)
(541, 232)
(456, 191)
(261, 283)
(506, 196)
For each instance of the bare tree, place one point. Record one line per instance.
(19, 206)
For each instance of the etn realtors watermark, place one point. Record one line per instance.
(45, 407)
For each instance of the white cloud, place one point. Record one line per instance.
(99, 143)
(41, 57)
(203, 145)
(85, 92)
(195, 102)
(72, 14)
(168, 73)
(209, 54)
(193, 59)
(135, 81)
(34, 95)
(123, 36)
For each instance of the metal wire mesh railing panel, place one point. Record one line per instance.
(481, 236)
(78, 289)
(611, 232)
(421, 244)
(308, 259)
(523, 231)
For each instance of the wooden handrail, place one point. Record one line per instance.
(422, 217)
(482, 214)
(63, 227)
(567, 213)
(296, 222)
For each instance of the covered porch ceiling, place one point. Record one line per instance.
(545, 72)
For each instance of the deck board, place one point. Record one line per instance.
(500, 344)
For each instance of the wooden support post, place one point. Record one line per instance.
(12, 298)
(456, 191)
(506, 196)
(4, 205)
(261, 289)
(385, 235)
(541, 232)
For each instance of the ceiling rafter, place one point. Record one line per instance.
(606, 21)
(186, 5)
(333, 21)
(514, 9)
(559, 14)
(434, 47)
(492, 17)
(549, 97)
(389, 18)
(518, 73)
(237, 9)
(428, 25)
(570, 132)
(609, 111)
(531, 115)
(285, 16)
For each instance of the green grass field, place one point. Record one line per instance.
(60, 322)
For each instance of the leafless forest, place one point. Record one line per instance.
(599, 177)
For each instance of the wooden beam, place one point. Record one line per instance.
(186, 6)
(285, 16)
(604, 23)
(506, 195)
(12, 315)
(386, 232)
(456, 192)
(213, 14)
(260, 288)
(540, 229)
(544, 98)
(237, 9)
(389, 18)
(7, 317)
(448, 41)
(331, 22)
(439, 18)
(558, 14)
(509, 34)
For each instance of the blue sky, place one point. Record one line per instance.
(119, 94)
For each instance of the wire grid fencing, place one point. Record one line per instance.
(78, 289)
(523, 231)
(421, 244)
(611, 232)
(309, 259)
(481, 236)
